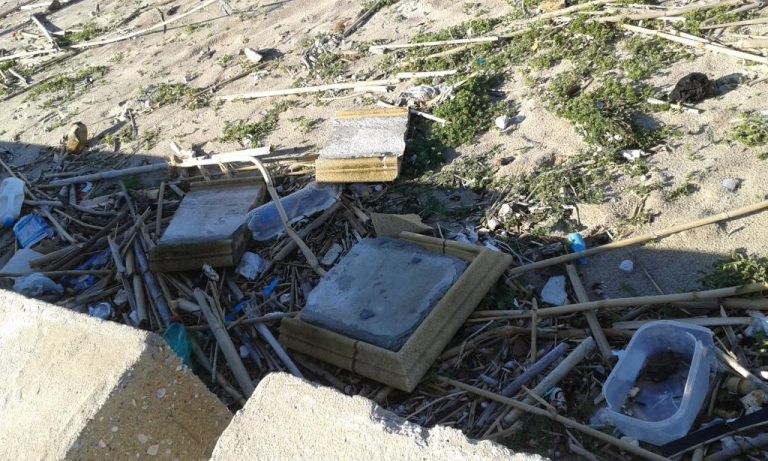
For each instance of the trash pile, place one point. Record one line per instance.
(254, 261)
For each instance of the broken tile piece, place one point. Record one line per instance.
(731, 184)
(381, 291)
(554, 291)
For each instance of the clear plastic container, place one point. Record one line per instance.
(11, 199)
(664, 409)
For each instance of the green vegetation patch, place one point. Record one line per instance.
(648, 56)
(752, 130)
(87, 32)
(739, 269)
(171, 93)
(67, 83)
(254, 133)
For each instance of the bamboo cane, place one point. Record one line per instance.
(670, 12)
(594, 324)
(746, 22)
(760, 206)
(698, 44)
(147, 30)
(226, 345)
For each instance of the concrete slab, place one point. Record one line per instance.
(287, 418)
(208, 227)
(381, 291)
(77, 387)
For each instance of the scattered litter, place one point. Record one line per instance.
(419, 94)
(11, 200)
(505, 210)
(35, 285)
(102, 310)
(694, 87)
(332, 255)
(252, 55)
(731, 184)
(554, 291)
(210, 272)
(578, 245)
(176, 337)
(634, 154)
(31, 230)
(264, 222)
(754, 401)
(251, 265)
(739, 385)
(627, 266)
(19, 262)
(493, 224)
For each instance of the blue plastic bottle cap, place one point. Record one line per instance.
(7, 222)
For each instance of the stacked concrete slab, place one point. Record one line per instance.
(287, 418)
(77, 387)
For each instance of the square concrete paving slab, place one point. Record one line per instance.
(381, 291)
(208, 227)
(404, 367)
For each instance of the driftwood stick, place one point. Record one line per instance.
(144, 31)
(264, 332)
(592, 321)
(59, 228)
(526, 377)
(561, 371)
(520, 406)
(629, 302)
(205, 363)
(27, 54)
(80, 208)
(59, 273)
(140, 296)
(727, 359)
(746, 22)
(225, 343)
(759, 304)
(45, 31)
(560, 12)
(669, 12)
(403, 46)
(163, 311)
(703, 322)
(697, 43)
(742, 446)
(337, 86)
(760, 206)
(159, 217)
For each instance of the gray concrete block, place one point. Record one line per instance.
(287, 418)
(77, 387)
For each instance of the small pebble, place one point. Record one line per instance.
(152, 450)
(627, 266)
(505, 210)
(161, 393)
(731, 184)
(142, 438)
(493, 224)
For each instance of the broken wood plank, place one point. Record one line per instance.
(698, 43)
(746, 22)
(45, 31)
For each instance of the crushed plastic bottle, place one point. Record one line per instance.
(102, 310)
(37, 284)
(11, 199)
(31, 229)
(264, 222)
(578, 245)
